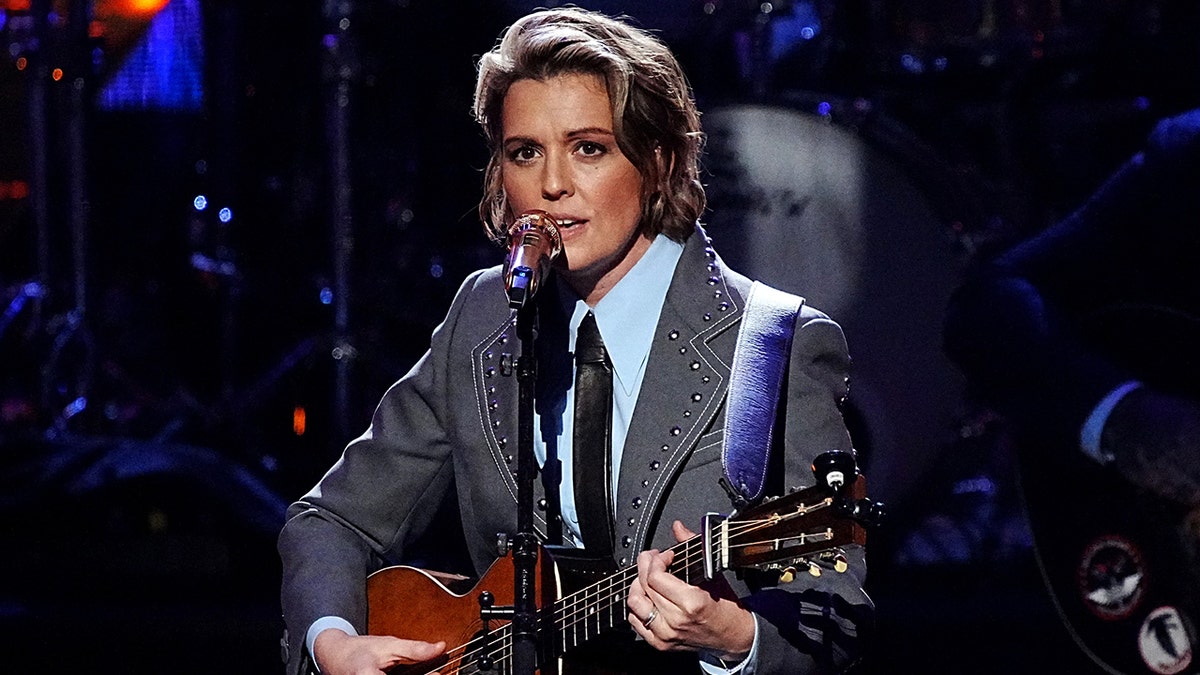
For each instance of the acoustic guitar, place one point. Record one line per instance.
(580, 599)
(1121, 563)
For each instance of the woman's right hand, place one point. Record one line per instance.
(338, 653)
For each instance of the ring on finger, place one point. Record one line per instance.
(650, 618)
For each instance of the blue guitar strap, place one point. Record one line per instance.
(760, 360)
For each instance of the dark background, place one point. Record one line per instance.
(153, 359)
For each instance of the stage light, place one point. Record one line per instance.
(155, 54)
(299, 420)
(135, 7)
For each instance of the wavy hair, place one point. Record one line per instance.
(655, 120)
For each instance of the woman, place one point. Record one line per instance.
(590, 120)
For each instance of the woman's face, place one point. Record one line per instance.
(560, 156)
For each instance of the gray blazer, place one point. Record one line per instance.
(451, 423)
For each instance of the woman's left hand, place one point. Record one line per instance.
(674, 615)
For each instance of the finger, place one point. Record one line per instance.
(681, 532)
(638, 602)
(652, 627)
(644, 561)
(415, 651)
(661, 586)
(652, 569)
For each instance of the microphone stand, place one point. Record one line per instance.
(525, 546)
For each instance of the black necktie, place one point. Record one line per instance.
(592, 438)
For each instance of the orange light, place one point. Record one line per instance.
(18, 5)
(56, 74)
(22, 63)
(144, 6)
(299, 420)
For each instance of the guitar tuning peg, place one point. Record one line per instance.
(840, 563)
(814, 569)
(792, 490)
(835, 469)
(787, 576)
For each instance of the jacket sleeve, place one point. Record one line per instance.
(362, 512)
(1031, 328)
(815, 624)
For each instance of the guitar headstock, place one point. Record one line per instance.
(794, 531)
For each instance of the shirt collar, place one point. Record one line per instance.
(628, 314)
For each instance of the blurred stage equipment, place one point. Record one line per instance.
(60, 48)
(835, 202)
(341, 67)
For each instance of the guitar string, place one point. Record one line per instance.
(571, 604)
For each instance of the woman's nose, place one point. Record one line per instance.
(556, 179)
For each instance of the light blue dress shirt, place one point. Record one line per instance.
(626, 316)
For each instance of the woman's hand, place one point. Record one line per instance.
(674, 615)
(338, 653)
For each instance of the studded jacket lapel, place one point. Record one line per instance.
(497, 399)
(683, 390)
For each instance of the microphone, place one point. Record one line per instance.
(533, 242)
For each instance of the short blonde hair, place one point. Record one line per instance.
(655, 119)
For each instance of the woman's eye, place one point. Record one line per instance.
(522, 154)
(590, 149)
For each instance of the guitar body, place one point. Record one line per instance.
(417, 604)
(1121, 564)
